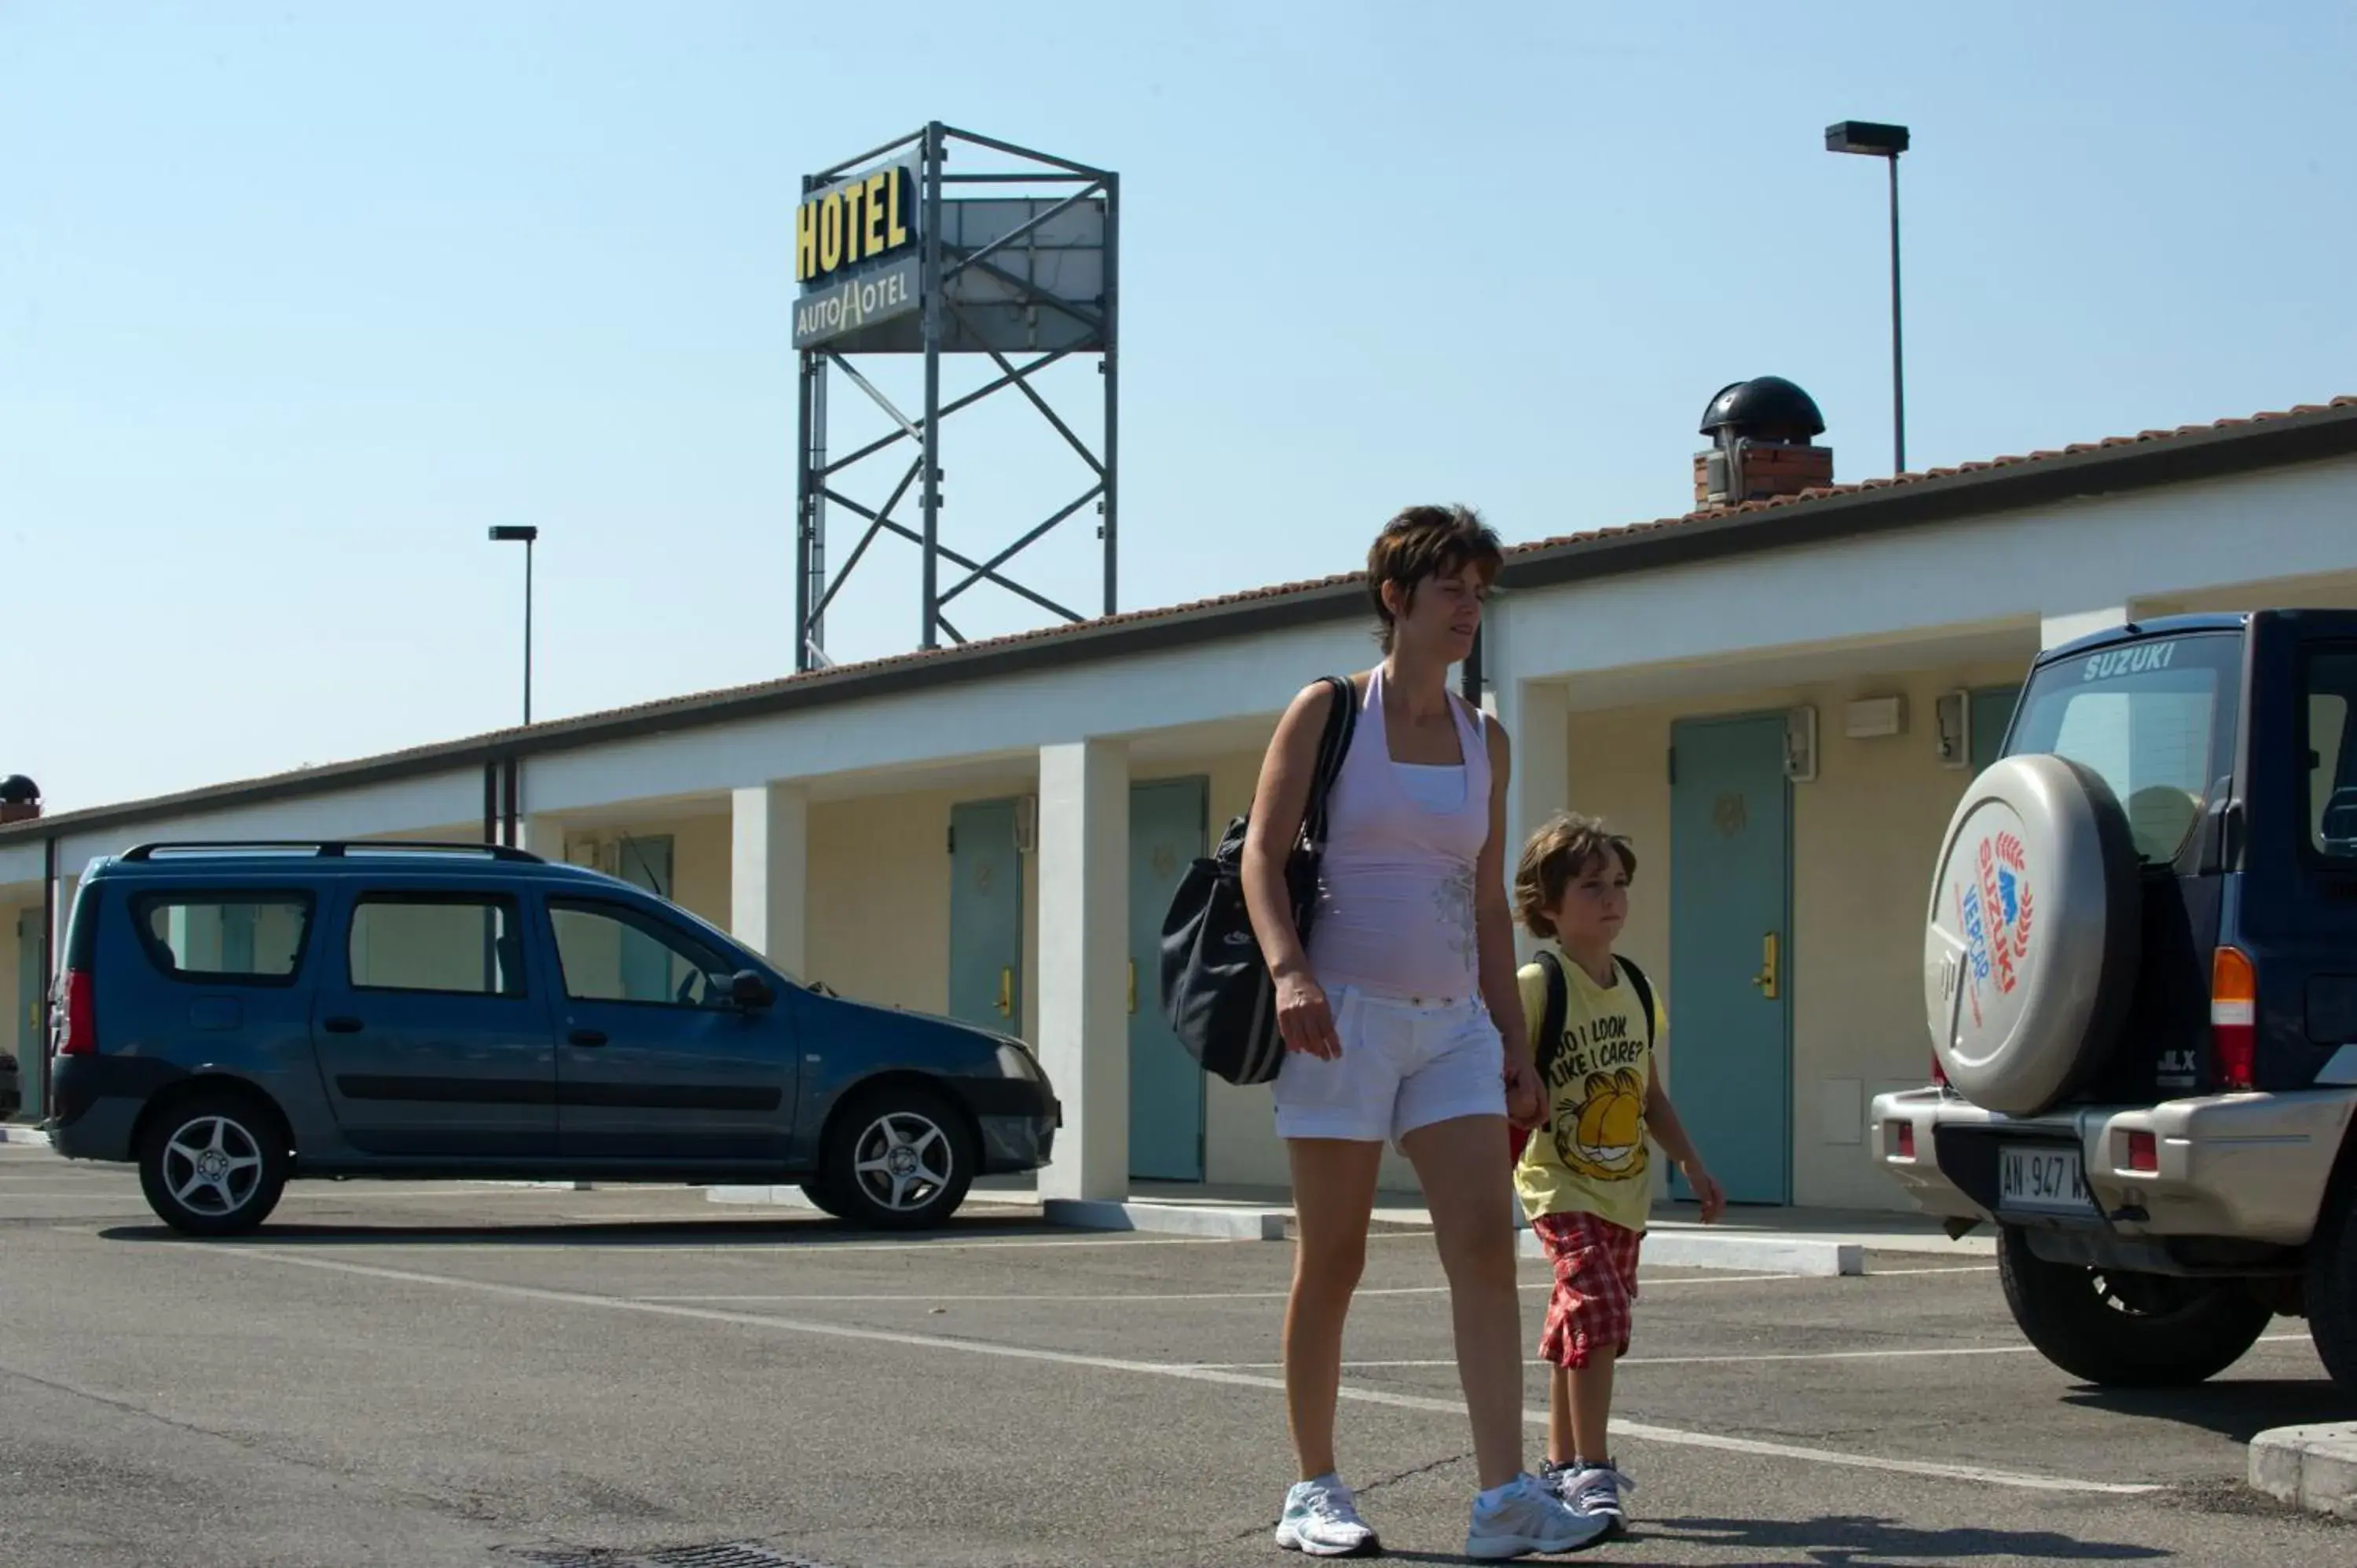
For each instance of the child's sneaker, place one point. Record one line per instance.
(1523, 1516)
(1591, 1489)
(1322, 1520)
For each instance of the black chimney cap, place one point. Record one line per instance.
(1770, 406)
(18, 791)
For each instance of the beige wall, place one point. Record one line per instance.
(12, 1004)
(1863, 834)
(880, 899)
(699, 856)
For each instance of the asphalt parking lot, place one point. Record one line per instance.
(487, 1375)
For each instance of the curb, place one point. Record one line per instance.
(1752, 1254)
(790, 1195)
(1168, 1218)
(19, 1133)
(2313, 1468)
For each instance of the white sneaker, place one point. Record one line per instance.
(1322, 1520)
(1528, 1518)
(1592, 1489)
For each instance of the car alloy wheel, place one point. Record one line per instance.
(212, 1166)
(903, 1162)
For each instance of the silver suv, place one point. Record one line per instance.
(2140, 976)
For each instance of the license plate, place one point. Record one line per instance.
(2041, 1177)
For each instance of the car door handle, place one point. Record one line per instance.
(341, 1025)
(585, 1037)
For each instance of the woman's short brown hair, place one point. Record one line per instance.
(1427, 542)
(1559, 852)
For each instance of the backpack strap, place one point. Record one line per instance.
(1645, 989)
(1333, 745)
(1558, 1003)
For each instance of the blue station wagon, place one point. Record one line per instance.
(233, 1015)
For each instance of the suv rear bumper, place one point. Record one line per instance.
(2247, 1168)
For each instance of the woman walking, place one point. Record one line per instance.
(1402, 1020)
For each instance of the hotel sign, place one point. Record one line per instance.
(856, 253)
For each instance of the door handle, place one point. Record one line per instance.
(341, 1025)
(1766, 979)
(1006, 992)
(585, 1037)
(1132, 985)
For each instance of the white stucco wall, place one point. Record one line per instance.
(2155, 544)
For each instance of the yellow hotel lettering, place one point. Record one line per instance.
(850, 224)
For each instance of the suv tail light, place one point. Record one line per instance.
(1939, 1073)
(80, 1038)
(2234, 1017)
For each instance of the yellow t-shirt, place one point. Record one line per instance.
(1593, 1159)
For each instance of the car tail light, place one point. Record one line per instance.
(1939, 1073)
(2234, 1017)
(2143, 1152)
(1904, 1132)
(80, 1038)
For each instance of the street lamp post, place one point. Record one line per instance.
(524, 534)
(1884, 142)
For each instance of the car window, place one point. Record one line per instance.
(249, 938)
(2330, 681)
(2156, 719)
(457, 944)
(612, 954)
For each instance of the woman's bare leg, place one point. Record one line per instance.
(1462, 1165)
(1333, 1198)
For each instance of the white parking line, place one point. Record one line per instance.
(919, 1296)
(938, 1344)
(1727, 1360)
(395, 1237)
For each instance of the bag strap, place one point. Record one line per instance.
(1333, 745)
(1559, 1002)
(1645, 989)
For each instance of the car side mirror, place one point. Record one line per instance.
(749, 991)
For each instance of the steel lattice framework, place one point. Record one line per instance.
(1013, 276)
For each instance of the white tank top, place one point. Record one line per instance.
(1394, 914)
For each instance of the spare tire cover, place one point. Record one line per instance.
(2030, 950)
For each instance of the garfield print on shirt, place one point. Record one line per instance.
(1593, 1156)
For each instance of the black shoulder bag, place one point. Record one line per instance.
(1215, 981)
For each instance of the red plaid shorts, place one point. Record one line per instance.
(1595, 1284)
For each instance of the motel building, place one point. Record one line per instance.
(1780, 696)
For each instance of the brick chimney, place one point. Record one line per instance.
(20, 799)
(1762, 445)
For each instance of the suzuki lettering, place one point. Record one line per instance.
(2129, 660)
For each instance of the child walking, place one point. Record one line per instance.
(1584, 1175)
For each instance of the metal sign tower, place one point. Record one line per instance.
(890, 263)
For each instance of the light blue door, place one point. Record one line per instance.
(647, 968)
(1166, 828)
(1992, 710)
(986, 916)
(1730, 953)
(32, 1007)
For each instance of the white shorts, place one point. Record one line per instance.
(1404, 1065)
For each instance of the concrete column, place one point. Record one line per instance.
(2056, 627)
(768, 873)
(1083, 965)
(1537, 716)
(541, 836)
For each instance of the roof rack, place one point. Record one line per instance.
(334, 849)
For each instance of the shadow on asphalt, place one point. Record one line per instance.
(1854, 1538)
(2239, 1409)
(813, 1232)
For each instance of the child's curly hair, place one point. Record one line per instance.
(1560, 850)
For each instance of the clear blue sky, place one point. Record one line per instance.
(296, 299)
